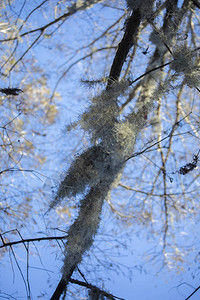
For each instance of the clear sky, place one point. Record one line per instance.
(147, 283)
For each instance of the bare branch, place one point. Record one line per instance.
(47, 238)
(72, 10)
(124, 46)
(93, 287)
(195, 289)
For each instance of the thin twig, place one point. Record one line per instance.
(33, 240)
(193, 293)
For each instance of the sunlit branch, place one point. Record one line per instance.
(154, 195)
(163, 169)
(131, 96)
(114, 210)
(175, 121)
(10, 56)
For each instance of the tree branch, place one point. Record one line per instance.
(93, 287)
(32, 240)
(124, 46)
(72, 10)
(196, 3)
(193, 293)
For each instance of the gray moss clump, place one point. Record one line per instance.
(145, 7)
(84, 228)
(116, 142)
(186, 62)
(87, 170)
(183, 60)
(124, 133)
(99, 119)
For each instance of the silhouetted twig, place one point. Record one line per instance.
(11, 91)
(193, 293)
(47, 238)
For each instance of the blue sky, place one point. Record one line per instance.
(147, 284)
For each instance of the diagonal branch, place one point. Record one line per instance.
(72, 10)
(124, 46)
(92, 287)
(196, 3)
